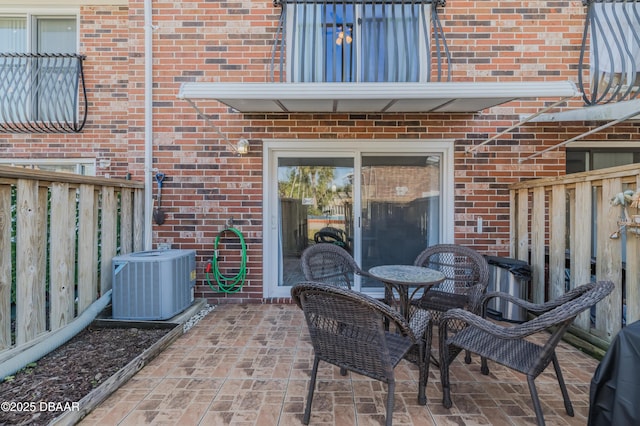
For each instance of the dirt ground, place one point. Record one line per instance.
(43, 390)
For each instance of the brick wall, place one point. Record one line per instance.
(206, 183)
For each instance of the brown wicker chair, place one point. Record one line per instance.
(467, 273)
(507, 345)
(331, 264)
(347, 329)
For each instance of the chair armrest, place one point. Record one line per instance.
(537, 308)
(517, 331)
(534, 307)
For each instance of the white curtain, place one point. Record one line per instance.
(13, 35)
(388, 42)
(615, 46)
(308, 39)
(391, 42)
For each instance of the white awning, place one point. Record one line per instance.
(606, 112)
(446, 97)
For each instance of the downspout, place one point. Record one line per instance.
(148, 122)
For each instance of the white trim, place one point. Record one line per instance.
(48, 10)
(373, 97)
(342, 148)
(604, 144)
(27, 4)
(89, 164)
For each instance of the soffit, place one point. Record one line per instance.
(441, 97)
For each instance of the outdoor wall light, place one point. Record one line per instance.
(242, 147)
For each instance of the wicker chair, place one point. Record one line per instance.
(331, 264)
(347, 329)
(467, 273)
(508, 345)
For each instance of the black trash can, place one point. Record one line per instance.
(510, 276)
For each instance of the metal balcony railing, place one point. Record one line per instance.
(360, 41)
(42, 93)
(610, 51)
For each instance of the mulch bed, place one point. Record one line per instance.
(44, 390)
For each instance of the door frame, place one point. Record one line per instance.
(340, 148)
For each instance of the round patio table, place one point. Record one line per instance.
(402, 279)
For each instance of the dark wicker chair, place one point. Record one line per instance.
(509, 346)
(348, 329)
(331, 264)
(467, 273)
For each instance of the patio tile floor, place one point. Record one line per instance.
(250, 365)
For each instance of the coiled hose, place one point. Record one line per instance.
(227, 284)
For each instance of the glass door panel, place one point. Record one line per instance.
(315, 198)
(400, 208)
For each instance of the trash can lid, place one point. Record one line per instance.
(517, 267)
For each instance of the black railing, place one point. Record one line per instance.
(42, 93)
(610, 51)
(360, 41)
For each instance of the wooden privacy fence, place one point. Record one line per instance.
(571, 233)
(58, 235)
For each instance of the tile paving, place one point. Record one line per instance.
(250, 365)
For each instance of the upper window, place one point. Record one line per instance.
(38, 34)
(348, 41)
(39, 73)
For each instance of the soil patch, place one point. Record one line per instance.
(70, 372)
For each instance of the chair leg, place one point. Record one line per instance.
(563, 387)
(444, 375)
(312, 385)
(467, 357)
(484, 367)
(423, 366)
(391, 390)
(536, 401)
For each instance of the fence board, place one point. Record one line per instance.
(522, 212)
(87, 288)
(108, 236)
(42, 224)
(581, 251)
(5, 266)
(632, 280)
(62, 258)
(513, 224)
(557, 240)
(609, 264)
(138, 220)
(537, 246)
(126, 221)
(29, 300)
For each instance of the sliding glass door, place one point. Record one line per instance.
(400, 208)
(315, 197)
(381, 206)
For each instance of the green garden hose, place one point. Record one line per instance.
(231, 284)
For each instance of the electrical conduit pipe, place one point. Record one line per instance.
(55, 339)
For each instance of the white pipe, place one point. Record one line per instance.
(55, 339)
(148, 123)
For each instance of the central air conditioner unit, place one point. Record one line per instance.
(153, 285)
